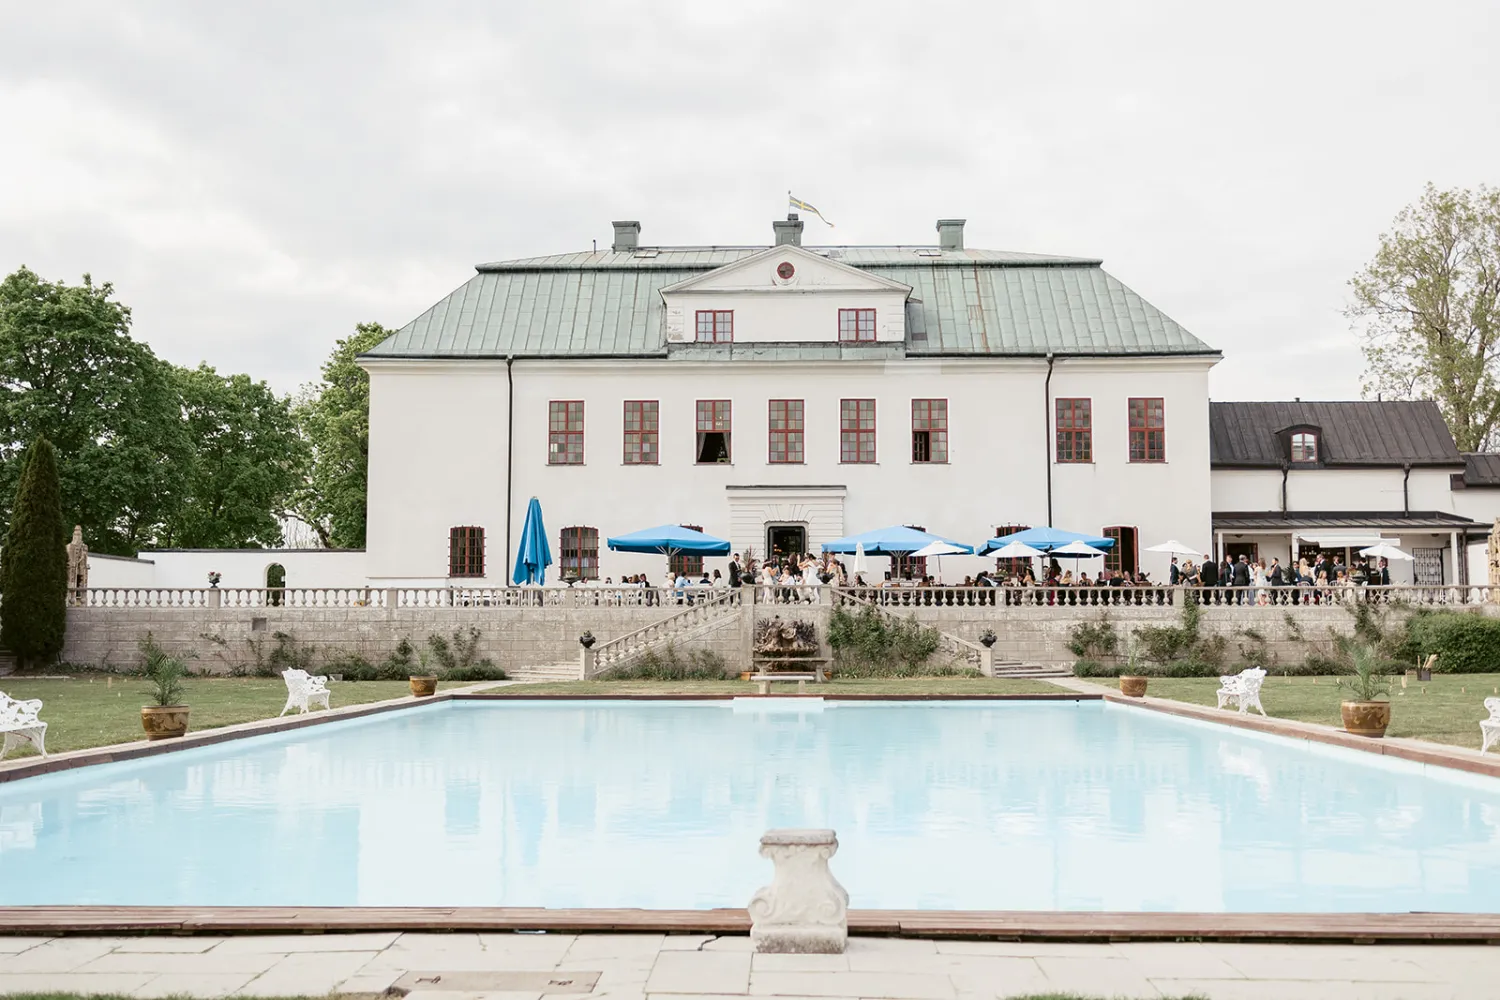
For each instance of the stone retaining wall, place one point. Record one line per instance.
(517, 637)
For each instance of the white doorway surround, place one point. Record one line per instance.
(753, 509)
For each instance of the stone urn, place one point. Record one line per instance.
(586, 640)
(165, 723)
(1366, 718)
(1133, 687)
(423, 687)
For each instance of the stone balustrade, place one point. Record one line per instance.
(700, 607)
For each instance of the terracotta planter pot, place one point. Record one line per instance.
(1133, 687)
(165, 723)
(745, 675)
(422, 687)
(1366, 718)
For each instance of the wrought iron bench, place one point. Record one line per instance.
(303, 690)
(1243, 689)
(19, 724)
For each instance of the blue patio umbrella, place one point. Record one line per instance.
(669, 540)
(897, 540)
(534, 555)
(1046, 539)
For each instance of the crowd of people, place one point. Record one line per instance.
(1241, 581)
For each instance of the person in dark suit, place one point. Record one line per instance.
(1208, 575)
(1174, 575)
(1384, 575)
(1241, 579)
(735, 575)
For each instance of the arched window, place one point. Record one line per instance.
(275, 584)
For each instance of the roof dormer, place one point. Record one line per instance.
(1302, 444)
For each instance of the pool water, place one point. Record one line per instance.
(990, 805)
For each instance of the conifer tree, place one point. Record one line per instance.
(34, 562)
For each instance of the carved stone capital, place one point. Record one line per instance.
(804, 910)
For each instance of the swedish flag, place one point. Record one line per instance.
(804, 206)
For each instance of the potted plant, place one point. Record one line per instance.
(586, 640)
(423, 683)
(1132, 682)
(987, 638)
(1364, 712)
(166, 717)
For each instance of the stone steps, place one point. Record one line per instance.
(545, 673)
(1015, 668)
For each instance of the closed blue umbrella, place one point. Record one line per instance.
(534, 555)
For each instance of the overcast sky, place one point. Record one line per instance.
(256, 178)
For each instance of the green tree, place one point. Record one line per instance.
(34, 562)
(70, 372)
(1430, 306)
(335, 417)
(249, 462)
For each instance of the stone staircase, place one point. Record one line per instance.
(1038, 671)
(549, 673)
(709, 612)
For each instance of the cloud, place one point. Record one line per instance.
(258, 178)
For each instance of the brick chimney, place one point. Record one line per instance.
(627, 236)
(950, 234)
(788, 233)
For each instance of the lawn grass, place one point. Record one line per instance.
(828, 689)
(1446, 709)
(91, 710)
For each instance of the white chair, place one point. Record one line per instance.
(303, 690)
(1243, 689)
(19, 724)
(1489, 729)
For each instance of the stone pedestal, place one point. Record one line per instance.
(804, 910)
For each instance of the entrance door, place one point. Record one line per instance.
(1428, 566)
(785, 540)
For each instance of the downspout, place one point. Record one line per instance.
(1405, 493)
(510, 447)
(1286, 470)
(1047, 432)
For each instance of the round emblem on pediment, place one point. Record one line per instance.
(785, 270)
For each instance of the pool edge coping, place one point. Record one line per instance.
(1416, 751)
(1012, 925)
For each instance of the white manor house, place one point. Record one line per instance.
(782, 396)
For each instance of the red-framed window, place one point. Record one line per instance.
(578, 555)
(685, 563)
(1304, 447)
(1148, 430)
(1075, 430)
(857, 431)
(786, 432)
(714, 419)
(856, 325)
(715, 326)
(642, 423)
(565, 432)
(466, 551)
(929, 431)
(1012, 567)
(1123, 556)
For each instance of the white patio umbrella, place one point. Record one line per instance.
(1174, 547)
(1384, 550)
(859, 560)
(1077, 550)
(935, 551)
(1014, 550)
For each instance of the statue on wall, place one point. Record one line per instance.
(78, 565)
(1494, 553)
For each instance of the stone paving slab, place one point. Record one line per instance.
(683, 967)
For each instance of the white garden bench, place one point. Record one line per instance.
(1243, 689)
(1489, 729)
(19, 724)
(303, 690)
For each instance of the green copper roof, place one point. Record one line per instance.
(963, 302)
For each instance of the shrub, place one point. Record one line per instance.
(1369, 681)
(459, 655)
(401, 663)
(1465, 643)
(670, 665)
(350, 666)
(34, 562)
(485, 671)
(1182, 650)
(867, 642)
(287, 654)
(1094, 640)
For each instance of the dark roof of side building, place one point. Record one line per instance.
(1361, 433)
(964, 302)
(1481, 469)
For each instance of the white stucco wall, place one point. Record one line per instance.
(438, 443)
(247, 567)
(120, 571)
(1332, 489)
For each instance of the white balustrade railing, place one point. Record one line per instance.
(698, 608)
(892, 598)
